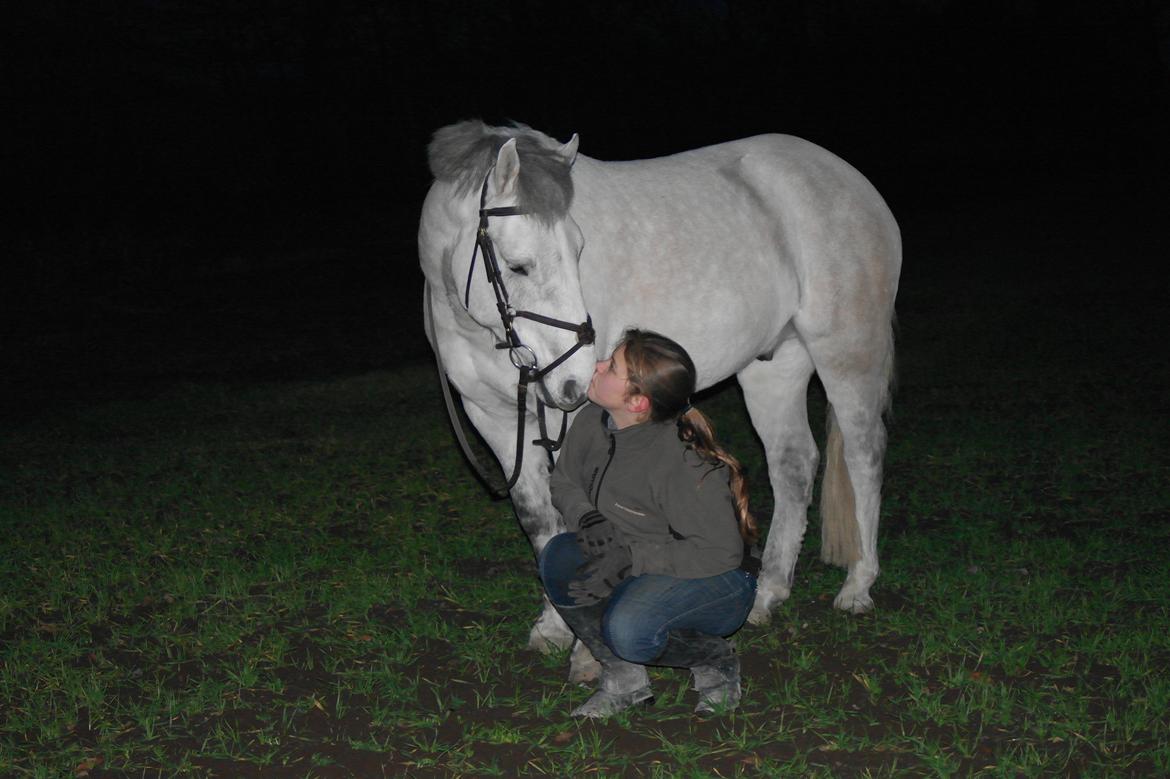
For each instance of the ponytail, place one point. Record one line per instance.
(696, 430)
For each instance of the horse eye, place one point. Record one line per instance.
(519, 270)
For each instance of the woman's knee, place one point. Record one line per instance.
(630, 635)
(556, 551)
(557, 565)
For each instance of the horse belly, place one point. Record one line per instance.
(725, 297)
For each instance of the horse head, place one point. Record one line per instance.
(501, 201)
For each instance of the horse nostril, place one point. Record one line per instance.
(571, 390)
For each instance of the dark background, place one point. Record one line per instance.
(230, 189)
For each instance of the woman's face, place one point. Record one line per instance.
(609, 387)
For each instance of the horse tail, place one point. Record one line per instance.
(840, 533)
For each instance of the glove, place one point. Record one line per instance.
(596, 535)
(597, 578)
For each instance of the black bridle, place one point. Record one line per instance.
(521, 355)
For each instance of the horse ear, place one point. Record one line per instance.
(569, 150)
(507, 170)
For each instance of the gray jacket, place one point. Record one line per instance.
(675, 509)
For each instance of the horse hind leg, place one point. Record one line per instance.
(857, 390)
(776, 394)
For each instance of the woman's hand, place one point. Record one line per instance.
(596, 535)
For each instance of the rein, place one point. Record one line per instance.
(522, 357)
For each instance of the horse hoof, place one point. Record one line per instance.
(585, 674)
(546, 638)
(584, 671)
(854, 603)
(759, 616)
(768, 599)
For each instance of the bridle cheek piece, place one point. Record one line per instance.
(520, 354)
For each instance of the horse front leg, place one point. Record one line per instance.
(540, 521)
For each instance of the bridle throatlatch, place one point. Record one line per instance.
(520, 354)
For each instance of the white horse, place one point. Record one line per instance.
(768, 258)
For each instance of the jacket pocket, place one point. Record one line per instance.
(629, 510)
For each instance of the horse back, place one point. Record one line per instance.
(716, 246)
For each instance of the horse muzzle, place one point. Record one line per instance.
(572, 394)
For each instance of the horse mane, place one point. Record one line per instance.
(464, 152)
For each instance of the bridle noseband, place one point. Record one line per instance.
(520, 354)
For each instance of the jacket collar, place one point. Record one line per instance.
(636, 437)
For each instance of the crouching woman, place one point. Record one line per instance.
(656, 566)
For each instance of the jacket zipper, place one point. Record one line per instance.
(597, 493)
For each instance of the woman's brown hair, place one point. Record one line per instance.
(661, 370)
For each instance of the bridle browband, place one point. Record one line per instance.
(521, 355)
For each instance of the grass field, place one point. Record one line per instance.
(303, 578)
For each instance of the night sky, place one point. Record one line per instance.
(230, 190)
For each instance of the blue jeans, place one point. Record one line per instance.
(643, 609)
